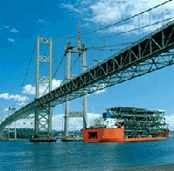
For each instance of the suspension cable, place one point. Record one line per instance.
(33, 81)
(135, 29)
(25, 75)
(121, 21)
(55, 72)
(71, 68)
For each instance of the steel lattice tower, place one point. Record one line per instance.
(11, 110)
(1, 119)
(43, 115)
(1, 114)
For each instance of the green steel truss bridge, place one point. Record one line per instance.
(146, 55)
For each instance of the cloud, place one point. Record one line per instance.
(86, 25)
(7, 96)
(5, 26)
(29, 89)
(86, 2)
(56, 83)
(6, 109)
(101, 91)
(70, 7)
(100, 88)
(170, 120)
(13, 30)
(22, 104)
(19, 97)
(106, 12)
(41, 21)
(11, 40)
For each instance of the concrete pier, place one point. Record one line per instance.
(45, 138)
(72, 139)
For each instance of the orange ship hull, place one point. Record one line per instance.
(112, 135)
(103, 135)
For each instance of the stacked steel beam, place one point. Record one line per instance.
(139, 122)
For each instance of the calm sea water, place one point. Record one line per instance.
(23, 155)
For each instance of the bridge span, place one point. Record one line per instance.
(146, 55)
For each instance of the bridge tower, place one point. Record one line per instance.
(81, 50)
(43, 115)
(1, 119)
(11, 110)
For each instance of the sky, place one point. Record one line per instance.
(22, 21)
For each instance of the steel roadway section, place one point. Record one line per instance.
(144, 56)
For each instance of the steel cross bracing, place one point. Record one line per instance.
(139, 122)
(76, 114)
(144, 56)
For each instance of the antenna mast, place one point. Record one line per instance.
(79, 39)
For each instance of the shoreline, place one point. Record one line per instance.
(167, 167)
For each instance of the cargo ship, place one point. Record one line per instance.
(127, 124)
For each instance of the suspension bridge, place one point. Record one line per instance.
(148, 54)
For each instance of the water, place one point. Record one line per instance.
(23, 155)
